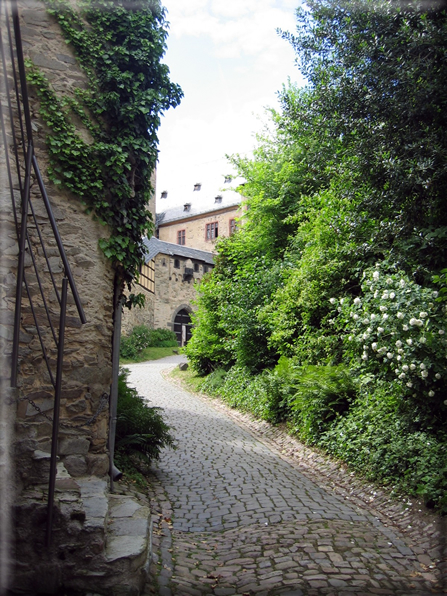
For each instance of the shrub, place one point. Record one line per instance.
(142, 337)
(140, 429)
(322, 394)
(163, 338)
(396, 331)
(378, 438)
(127, 348)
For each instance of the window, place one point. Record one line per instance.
(228, 179)
(164, 194)
(187, 207)
(212, 231)
(176, 264)
(147, 277)
(205, 269)
(196, 267)
(218, 199)
(197, 186)
(181, 237)
(233, 226)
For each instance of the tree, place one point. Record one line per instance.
(378, 73)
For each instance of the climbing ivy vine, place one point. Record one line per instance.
(119, 45)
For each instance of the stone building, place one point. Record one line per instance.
(57, 331)
(175, 270)
(208, 211)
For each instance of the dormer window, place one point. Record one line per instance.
(218, 199)
(164, 194)
(228, 179)
(187, 207)
(198, 186)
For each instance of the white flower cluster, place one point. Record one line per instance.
(388, 326)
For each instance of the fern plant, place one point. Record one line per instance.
(322, 394)
(140, 429)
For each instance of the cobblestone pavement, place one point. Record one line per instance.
(237, 512)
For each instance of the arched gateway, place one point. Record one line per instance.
(182, 326)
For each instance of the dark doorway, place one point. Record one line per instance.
(182, 327)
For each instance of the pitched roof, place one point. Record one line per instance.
(200, 201)
(154, 246)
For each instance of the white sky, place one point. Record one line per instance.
(230, 63)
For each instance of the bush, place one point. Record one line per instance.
(163, 338)
(322, 394)
(379, 439)
(140, 429)
(142, 337)
(397, 331)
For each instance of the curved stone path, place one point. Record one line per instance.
(233, 517)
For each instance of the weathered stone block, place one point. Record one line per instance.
(76, 465)
(98, 464)
(46, 62)
(76, 407)
(45, 405)
(73, 446)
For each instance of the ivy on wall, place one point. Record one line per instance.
(119, 45)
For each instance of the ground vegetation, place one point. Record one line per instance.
(141, 431)
(326, 309)
(133, 347)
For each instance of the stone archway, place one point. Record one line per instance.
(181, 324)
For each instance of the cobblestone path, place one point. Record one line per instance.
(232, 516)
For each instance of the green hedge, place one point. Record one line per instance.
(142, 337)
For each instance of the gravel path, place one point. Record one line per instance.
(238, 512)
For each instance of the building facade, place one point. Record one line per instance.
(175, 271)
(208, 211)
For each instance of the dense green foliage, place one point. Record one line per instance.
(327, 308)
(140, 429)
(119, 45)
(142, 337)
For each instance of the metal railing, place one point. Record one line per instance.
(34, 267)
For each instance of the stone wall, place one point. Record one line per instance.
(87, 372)
(87, 363)
(195, 228)
(139, 316)
(171, 291)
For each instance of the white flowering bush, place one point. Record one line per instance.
(397, 331)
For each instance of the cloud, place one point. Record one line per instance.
(236, 27)
(230, 62)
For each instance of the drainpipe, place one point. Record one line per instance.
(115, 474)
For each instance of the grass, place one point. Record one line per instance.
(188, 379)
(151, 354)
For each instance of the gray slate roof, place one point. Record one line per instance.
(201, 201)
(154, 246)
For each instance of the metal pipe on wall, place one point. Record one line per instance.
(115, 474)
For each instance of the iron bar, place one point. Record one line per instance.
(21, 269)
(56, 413)
(5, 139)
(59, 242)
(42, 244)
(47, 310)
(114, 388)
(22, 75)
(16, 88)
(39, 334)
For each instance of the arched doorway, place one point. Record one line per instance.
(182, 327)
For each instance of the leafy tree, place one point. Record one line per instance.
(378, 74)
